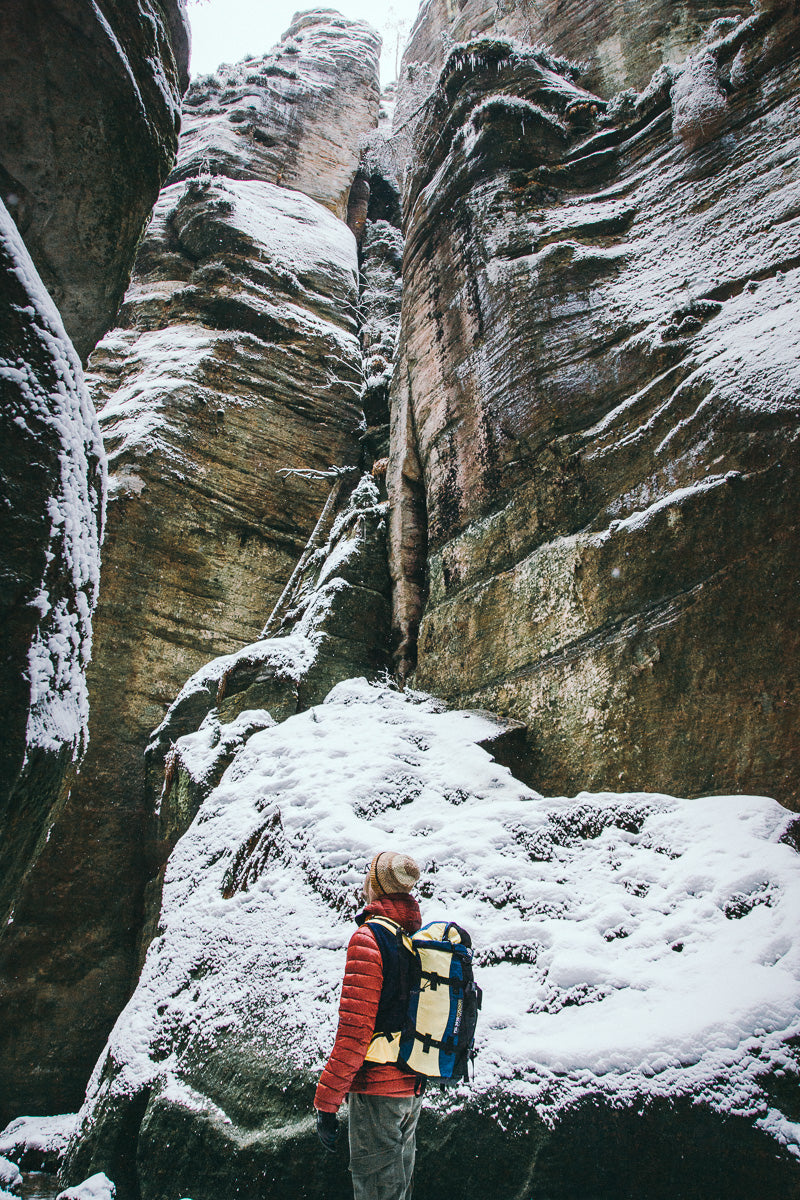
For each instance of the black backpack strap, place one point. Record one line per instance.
(393, 1004)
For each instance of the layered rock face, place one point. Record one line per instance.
(236, 355)
(53, 481)
(595, 414)
(90, 108)
(621, 42)
(296, 117)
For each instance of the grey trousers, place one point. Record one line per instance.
(383, 1131)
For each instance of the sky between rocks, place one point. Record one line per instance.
(229, 30)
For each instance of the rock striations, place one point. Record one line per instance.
(570, 364)
(236, 355)
(594, 450)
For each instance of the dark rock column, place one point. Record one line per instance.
(89, 114)
(89, 125)
(53, 493)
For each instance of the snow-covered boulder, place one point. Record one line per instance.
(10, 1176)
(637, 954)
(96, 1187)
(37, 1143)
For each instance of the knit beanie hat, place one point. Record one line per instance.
(390, 873)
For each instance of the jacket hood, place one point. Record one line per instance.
(400, 907)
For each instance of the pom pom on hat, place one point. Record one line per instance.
(390, 873)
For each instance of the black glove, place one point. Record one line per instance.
(327, 1130)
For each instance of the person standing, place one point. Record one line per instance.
(382, 1097)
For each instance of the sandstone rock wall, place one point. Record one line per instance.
(595, 414)
(622, 42)
(89, 116)
(296, 117)
(236, 355)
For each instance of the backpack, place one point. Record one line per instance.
(429, 1001)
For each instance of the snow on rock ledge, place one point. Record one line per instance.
(632, 948)
(37, 1143)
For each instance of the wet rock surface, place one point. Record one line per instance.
(90, 115)
(598, 443)
(236, 355)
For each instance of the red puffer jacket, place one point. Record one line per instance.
(361, 991)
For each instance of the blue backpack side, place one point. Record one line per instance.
(429, 997)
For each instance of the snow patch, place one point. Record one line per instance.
(43, 1139)
(10, 1176)
(629, 946)
(96, 1187)
(699, 105)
